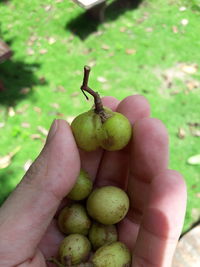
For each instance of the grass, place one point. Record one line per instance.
(140, 50)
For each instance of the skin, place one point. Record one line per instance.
(157, 194)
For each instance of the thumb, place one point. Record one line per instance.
(26, 214)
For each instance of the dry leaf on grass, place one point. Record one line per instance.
(47, 8)
(98, 33)
(181, 133)
(43, 51)
(101, 79)
(184, 22)
(27, 164)
(195, 212)
(194, 160)
(5, 161)
(59, 114)
(194, 186)
(25, 90)
(42, 80)
(51, 40)
(175, 29)
(30, 52)
(193, 84)
(87, 51)
(189, 68)
(149, 29)
(25, 125)
(198, 195)
(75, 94)
(33, 38)
(122, 29)
(36, 136)
(194, 124)
(60, 89)
(2, 124)
(37, 109)
(71, 38)
(130, 51)
(55, 105)
(11, 112)
(195, 132)
(182, 8)
(105, 47)
(42, 130)
(194, 129)
(22, 109)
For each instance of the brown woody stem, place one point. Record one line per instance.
(97, 100)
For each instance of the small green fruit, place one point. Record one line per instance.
(100, 234)
(74, 220)
(115, 254)
(84, 129)
(74, 249)
(108, 204)
(115, 132)
(82, 187)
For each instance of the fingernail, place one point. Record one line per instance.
(52, 131)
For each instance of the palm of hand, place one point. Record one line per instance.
(157, 195)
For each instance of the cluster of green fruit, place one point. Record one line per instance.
(90, 226)
(100, 126)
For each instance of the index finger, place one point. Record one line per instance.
(149, 156)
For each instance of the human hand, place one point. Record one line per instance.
(151, 229)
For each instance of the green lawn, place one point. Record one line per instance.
(151, 50)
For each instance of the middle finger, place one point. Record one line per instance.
(114, 167)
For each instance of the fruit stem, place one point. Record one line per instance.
(97, 100)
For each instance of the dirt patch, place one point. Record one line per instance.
(178, 79)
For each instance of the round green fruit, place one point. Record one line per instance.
(115, 132)
(100, 234)
(115, 254)
(108, 204)
(82, 187)
(74, 220)
(74, 249)
(84, 128)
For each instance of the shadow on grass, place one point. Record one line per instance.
(83, 25)
(16, 81)
(4, 1)
(17, 78)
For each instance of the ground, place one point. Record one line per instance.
(150, 48)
